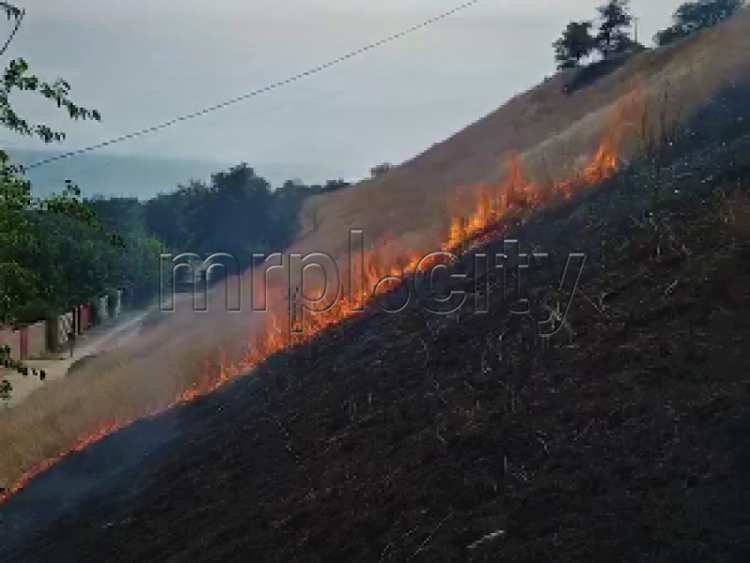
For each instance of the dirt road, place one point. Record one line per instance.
(108, 338)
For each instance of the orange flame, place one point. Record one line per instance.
(494, 203)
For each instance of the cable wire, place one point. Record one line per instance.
(259, 91)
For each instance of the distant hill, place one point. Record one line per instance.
(141, 176)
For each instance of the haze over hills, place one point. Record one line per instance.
(141, 176)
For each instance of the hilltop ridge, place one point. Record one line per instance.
(548, 128)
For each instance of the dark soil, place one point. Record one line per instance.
(467, 437)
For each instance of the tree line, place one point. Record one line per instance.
(610, 33)
(58, 260)
(62, 251)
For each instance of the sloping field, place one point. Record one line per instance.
(548, 128)
(178, 359)
(424, 437)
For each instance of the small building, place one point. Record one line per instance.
(25, 342)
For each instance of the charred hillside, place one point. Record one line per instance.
(545, 137)
(468, 437)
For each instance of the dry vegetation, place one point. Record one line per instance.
(549, 129)
(429, 438)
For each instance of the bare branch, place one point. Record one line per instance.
(19, 19)
(11, 11)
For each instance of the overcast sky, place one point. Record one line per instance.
(141, 62)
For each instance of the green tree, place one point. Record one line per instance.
(694, 16)
(16, 201)
(575, 44)
(166, 214)
(615, 21)
(75, 262)
(18, 77)
(237, 212)
(19, 282)
(235, 216)
(137, 263)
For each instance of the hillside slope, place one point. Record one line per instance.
(550, 129)
(425, 437)
(180, 354)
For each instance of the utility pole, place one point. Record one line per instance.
(636, 19)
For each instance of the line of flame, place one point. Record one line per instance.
(516, 195)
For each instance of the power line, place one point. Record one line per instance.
(255, 93)
(266, 111)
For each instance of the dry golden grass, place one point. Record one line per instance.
(119, 385)
(547, 128)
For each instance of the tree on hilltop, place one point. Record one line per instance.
(615, 21)
(575, 44)
(691, 17)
